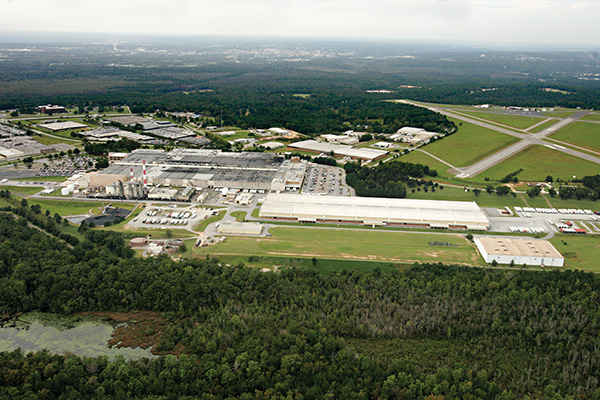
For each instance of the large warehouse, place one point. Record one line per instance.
(339, 150)
(521, 251)
(375, 211)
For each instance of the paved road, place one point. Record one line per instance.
(526, 141)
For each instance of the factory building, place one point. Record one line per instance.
(213, 169)
(519, 251)
(374, 211)
(126, 190)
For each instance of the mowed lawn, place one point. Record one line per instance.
(580, 251)
(418, 157)
(470, 144)
(350, 245)
(67, 207)
(515, 121)
(22, 189)
(582, 134)
(543, 126)
(591, 117)
(538, 162)
(484, 199)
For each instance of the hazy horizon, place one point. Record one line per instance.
(487, 23)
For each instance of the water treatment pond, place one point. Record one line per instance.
(83, 336)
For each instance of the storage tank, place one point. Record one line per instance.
(138, 242)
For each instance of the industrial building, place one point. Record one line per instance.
(20, 146)
(374, 211)
(112, 133)
(271, 145)
(413, 136)
(342, 139)
(126, 190)
(240, 228)
(51, 109)
(7, 131)
(519, 251)
(212, 169)
(339, 150)
(129, 120)
(62, 125)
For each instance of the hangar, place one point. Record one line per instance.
(521, 251)
(374, 211)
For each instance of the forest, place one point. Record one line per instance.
(430, 331)
(386, 180)
(313, 96)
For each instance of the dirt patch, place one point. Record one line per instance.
(137, 329)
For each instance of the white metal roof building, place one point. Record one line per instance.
(339, 150)
(521, 251)
(375, 211)
(62, 125)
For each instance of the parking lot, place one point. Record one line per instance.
(324, 179)
(545, 221)
(64, 166)
(169, 217)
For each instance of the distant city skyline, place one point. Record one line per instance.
(494, 22)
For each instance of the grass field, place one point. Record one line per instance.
(418, 157)
(543, 126)
(580, 134)
(44, 179)
(515, 121)
(22, 189)
(239, 216)
(591, 117)
(538, 162)
(155, 233)
(470, 144)
(204, 223)
(560, 113)
(458, 194)
(65, 208)
(47, 140)
(323, 265)
(580, 251)
(557, 202)
(394, 247)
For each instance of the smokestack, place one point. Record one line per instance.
(131, 174)
(144, 166)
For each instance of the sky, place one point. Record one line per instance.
(499, 22)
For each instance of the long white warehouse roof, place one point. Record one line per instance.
(338, 149)
(369, 210)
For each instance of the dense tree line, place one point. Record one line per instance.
(124, 145)
(325, 161)
(506, 334)
(387, 179)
